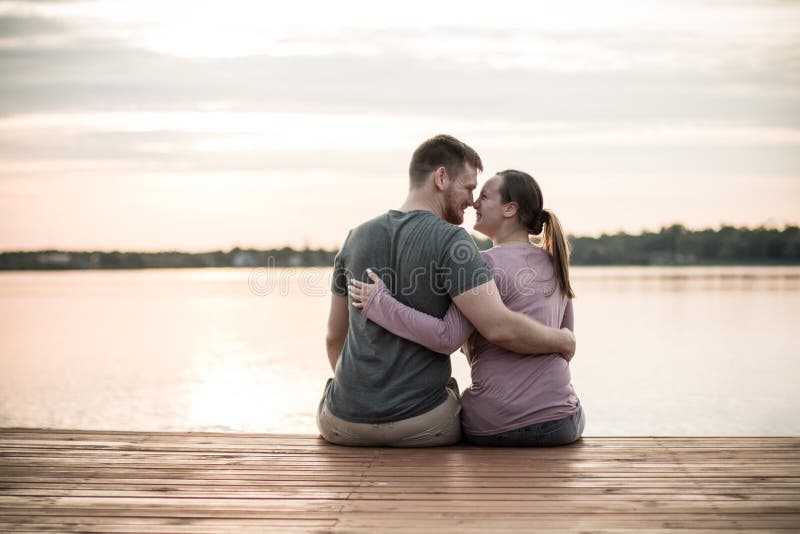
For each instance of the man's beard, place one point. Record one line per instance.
(452, 212)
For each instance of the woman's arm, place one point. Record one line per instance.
(443, 335)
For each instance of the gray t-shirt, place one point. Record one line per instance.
(424, 262)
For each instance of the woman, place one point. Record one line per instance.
(514, 399)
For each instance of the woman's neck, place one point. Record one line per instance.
(512, 236)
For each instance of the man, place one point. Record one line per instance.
(389, 391)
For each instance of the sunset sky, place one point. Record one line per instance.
(202, 125)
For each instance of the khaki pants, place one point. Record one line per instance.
(439, 426)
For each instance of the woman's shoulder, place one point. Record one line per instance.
(511, 262)
(527, 255)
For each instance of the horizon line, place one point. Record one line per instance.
(785, 227)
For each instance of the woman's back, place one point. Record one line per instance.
(509, 390)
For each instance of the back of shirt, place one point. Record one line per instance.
(424, 262)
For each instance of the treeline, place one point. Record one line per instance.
(58, 259)
(674, 245)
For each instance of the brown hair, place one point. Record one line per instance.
(521, 188)
(441, 151)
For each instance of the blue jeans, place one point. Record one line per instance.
(547, 434)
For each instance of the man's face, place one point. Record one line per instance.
(458, 194)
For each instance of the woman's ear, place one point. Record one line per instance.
(510, 209)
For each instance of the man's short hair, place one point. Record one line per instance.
(441, 151)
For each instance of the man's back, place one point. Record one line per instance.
(424, 261)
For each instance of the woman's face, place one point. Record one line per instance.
(489, 207)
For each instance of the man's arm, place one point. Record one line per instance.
(338, 321)
(514, 331)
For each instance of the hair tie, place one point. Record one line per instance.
(544, 216)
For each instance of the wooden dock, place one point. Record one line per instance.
(85, 481)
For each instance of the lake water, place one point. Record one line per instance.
(661, 351)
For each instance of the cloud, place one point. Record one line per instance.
(105, 76)
(15, 27)
(53, 147)
(677, 71)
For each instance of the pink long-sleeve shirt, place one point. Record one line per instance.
(509, 390)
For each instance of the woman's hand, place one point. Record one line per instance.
(361, 292)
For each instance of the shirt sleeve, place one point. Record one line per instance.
(569, 317)
(443, 335)
(461, 265)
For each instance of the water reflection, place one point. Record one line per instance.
(226, 393)
(681, 279)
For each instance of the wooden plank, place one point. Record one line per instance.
(357, 503)
(476, 458)
(586, 495)
(271, 487)
(158, 476)
(554, 486)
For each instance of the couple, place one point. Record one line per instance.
(389, 342)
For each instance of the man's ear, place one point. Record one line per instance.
(510, 210)
(438, 178)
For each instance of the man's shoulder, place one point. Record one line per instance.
(380, 219)
(379, 223)
(417, 220)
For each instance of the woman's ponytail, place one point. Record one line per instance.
(555, 243)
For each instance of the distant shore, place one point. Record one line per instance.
(673, 245)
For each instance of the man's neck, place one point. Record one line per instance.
(418, 199)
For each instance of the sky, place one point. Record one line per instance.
(207, 125)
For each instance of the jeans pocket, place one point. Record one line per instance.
(548, 427)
